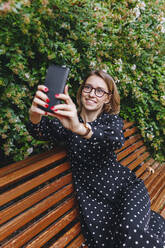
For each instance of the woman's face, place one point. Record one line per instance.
(91, 102)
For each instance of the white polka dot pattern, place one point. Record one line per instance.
(114, 204)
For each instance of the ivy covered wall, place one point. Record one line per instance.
(124, 37)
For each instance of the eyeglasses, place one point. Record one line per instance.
(98, 91)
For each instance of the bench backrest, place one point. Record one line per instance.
(38, 206)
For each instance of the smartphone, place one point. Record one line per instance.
(55, 80)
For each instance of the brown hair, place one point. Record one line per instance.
(113, 107)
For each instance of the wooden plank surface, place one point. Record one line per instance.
(163, 210)
(129, 150)
(28, 170)
(138, 161)
(67, 237)
(25, 236)
(130, 131)
(29, 201)
(128, 142)
(33, 212)
(128, 124)
(19, 214)
(30, 160)
(53, 230)
(29, 185)
(133, 156)
(77, 242)
(145, 165)
(159, 202)
(157, 188)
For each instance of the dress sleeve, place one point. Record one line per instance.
(47, 130)
(109, 132)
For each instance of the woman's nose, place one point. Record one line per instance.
(92, 93)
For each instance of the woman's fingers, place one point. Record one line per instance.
(36, 110)
(66, 90)
(39, 102)
(42, 96)
(65, 107)
(43, 88)
(40, 99)
(65, 97)
(65, 113)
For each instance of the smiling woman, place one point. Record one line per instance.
(93, 98)
(106, 84)
(114, 204)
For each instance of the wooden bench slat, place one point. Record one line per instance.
(146, 174)
(157, 203)
(16, 175)
(129, 132)
(129, 142)
(150, 178)
(130, 149)
(40, 225)
(35, 211)
(53, 230)
(157, 177)
(29, 201)
(157, 188)
(68, 236)
(30, 160)
(141, 170)
(38, 203)
(77, 242)
(134, 156)
(128, 124)
(138, 161)
(25, 187)
(156, 165)
(163, 210)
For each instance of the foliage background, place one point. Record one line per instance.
(123, 37)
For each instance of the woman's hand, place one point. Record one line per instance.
(40, 99)
(67, 113)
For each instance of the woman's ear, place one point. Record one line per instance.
(108, 99)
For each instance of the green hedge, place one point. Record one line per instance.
(123, 37)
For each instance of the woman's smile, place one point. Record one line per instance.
(90, 101)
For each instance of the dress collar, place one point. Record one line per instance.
(99, 117)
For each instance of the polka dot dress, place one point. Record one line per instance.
(114, 205)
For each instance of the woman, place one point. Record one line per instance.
(114, 205)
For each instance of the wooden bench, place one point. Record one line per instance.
(38, 207)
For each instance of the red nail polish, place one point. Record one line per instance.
(55, 110)
(46, 89)
(46, 113)
(56, 95)
(47, 100)
(46, 105)
(52, 108)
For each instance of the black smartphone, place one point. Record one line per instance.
(55, 80)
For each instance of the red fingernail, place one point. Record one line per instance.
(46, 89)
(46, 113)
(47, 100)
(46, 105)
(55, 110)
(52, 108)
(56, 95)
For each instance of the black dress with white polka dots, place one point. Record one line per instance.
(114, 204)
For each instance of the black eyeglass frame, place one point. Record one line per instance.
(104, 92)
